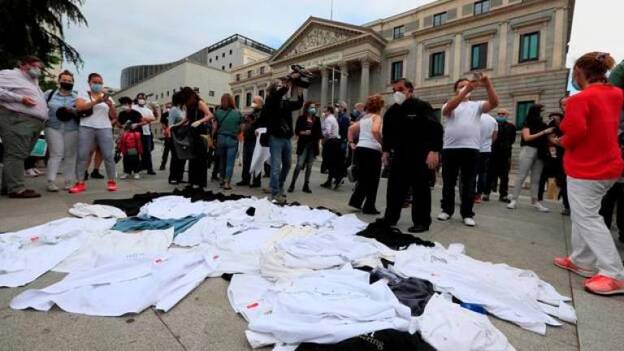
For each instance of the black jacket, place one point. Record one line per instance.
(505, 139)
(304, 140)
(277, 112)
(411, 130)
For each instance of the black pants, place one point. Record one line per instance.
(131, 164)
(500, 165)
(554, 169)
(481, 179)
(248, 150)
(146, 157)
(176, 167)
(167, 148)
(368, 165)
(454, 162)
(406, 174)
(614, 199)
(335, 159)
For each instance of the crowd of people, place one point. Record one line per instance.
(580, 147)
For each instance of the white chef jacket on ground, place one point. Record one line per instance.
(509, 293)
(29, 253)
(111, 244)
(450, 327)
(82, 210)
(172, 207)
(326, 307)
(125, 285)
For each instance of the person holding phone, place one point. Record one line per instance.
(97, 114)
(533, 152)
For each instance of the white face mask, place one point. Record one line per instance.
(254, 105)
(141, 102)
(399, 97)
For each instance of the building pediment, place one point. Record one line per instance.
(318, 34)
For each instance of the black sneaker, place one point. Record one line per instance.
(151, 172)
(96, 174)
(418, 229)
(306, 188)
(162, 167)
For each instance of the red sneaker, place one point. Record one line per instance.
(111, 185)
(603, 285)
(477, 199)
(78, 188)
(566, 263)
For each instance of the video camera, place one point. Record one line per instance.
(299, 76)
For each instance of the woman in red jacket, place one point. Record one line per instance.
(593, 163)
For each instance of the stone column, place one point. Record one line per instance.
(457, 56)
(558, 53)
(344, 77)
(501, 61)
(324, 86)
(365, 80)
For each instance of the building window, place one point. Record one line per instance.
(230, 64)
(223, 68)
(248, 99)
(436, 64)
(261, 93)
(210, 60)
(162, 95)
(439, 19)
(167, 93)
(262, 70)
(478, 56)
(522, 109)
(529, 47)
(230, 51)
(237, 101)
(237, 77)
(398, 32)
(223, 54)
(217, 58)
(396, 71)
(249, 73)
(481, 7)
(211, 93)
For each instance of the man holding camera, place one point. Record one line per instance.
(276, 116)
(23, 112)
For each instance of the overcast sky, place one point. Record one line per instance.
(123, 33)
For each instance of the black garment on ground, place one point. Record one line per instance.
(382, 340)
(412, 292)
(392, 237)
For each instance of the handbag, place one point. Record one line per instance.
(183, 142)
(40, 149)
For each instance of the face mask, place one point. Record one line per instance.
(141, 102)
(254, 105)
(66, 86)
(96, 88)
(312, 111)
(501, 119)
(399, 97)
(34, 72)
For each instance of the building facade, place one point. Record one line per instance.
(520, 44)
(207, 70)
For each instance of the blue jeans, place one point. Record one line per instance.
(281, 150)
(227, 147)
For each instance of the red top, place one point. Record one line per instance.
(590, 129)
(130, 140)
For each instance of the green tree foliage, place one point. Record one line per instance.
(35, 27)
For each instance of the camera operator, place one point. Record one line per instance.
(276, 116)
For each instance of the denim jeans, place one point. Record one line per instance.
(227, 147)
(281, 150)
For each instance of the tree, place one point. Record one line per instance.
(35, 27)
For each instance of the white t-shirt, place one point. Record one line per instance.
(488, 127)
(99, 119)
(462, 129)
(145, 112)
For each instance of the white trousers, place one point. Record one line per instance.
(593, 247)
(63, 147)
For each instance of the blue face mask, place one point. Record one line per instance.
(96, 88)
(312, 111)
(501, 119)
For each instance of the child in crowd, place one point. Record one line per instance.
(130, 146)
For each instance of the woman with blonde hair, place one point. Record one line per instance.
(367, 155)
(593, 163)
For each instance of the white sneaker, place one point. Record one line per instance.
(137, 176)
(124, 176)
(538, 206)
(30, 173)
(470, 222)
(443, 216)
(511, 205)
(52, 187)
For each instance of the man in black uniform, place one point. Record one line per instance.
(412, 140)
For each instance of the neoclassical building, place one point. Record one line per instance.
(521, 44)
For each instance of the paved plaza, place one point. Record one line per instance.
(204, 320)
